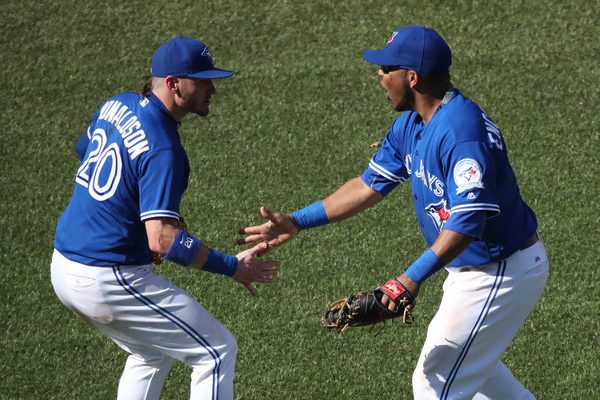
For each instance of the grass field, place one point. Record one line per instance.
(292, 126)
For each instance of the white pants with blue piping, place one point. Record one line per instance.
(481, 311)
(155, 321)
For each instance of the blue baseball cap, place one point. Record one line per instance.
(417, 48)
(183, 56)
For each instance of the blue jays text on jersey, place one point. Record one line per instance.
(460, 177)
(133, 167)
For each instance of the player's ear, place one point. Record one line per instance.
(171, 83)
(413, 78)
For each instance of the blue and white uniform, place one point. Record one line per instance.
(133, 167)
(458, 166)
(462, 181)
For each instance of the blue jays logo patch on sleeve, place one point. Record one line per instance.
(467, 175)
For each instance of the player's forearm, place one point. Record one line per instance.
(350, 199)
(181, 247)
(446, 248)
(161, 233)
(450, 244)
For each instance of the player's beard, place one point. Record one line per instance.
(191, 105)
(203, 112)
(407, 101)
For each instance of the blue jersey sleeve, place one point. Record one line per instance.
(84, 141)
(82, 144)
(386, 169)
(470, 223)
(162, 182)
(471, 178)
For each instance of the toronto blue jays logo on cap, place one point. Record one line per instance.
(206, 53)
(416, 48)
(439, 214)
(185, 57)
(392, 36)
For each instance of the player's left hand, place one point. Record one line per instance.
(366, 308)
(411, 285)
(251, 270)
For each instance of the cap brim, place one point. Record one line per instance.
(379, 57)
(214, 73)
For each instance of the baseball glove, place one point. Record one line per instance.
(156, 257)
(365, 308)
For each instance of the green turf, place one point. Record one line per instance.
(293, 125)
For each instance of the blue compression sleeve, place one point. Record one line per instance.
(311, 216)
(424, 267)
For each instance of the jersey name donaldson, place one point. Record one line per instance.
(130, 155)
(457, 164)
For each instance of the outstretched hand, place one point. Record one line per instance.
(278, 229)
(250, 269)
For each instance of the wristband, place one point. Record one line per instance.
(183, 249)
(424, 267)
(311, 216)
(220, 263)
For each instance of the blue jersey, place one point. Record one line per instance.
(459, 171)
(133, 167)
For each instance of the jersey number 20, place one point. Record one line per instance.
(102, 183)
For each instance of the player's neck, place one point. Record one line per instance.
(169, 103)
(427, 103)
(426, 106)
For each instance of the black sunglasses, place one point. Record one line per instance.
(386, 69)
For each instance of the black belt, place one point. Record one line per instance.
(531, 241)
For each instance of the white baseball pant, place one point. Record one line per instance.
(482, 309)
(153, 320)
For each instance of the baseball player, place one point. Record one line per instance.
(125, 206)
(470, 212)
